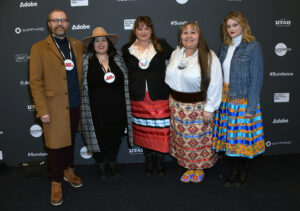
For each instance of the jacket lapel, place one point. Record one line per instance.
(53, 47)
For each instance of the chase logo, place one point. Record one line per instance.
(21, 57)
(81, 27)
(28, 4)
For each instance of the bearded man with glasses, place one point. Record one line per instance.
(55, 74)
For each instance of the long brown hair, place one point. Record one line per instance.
(141, 20)
(241, 19)
(204, 56)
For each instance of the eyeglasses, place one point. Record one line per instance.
(59, 20)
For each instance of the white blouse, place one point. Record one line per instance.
(227, 62)
(189, 78)
(148, 54)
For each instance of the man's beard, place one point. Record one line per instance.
(59, 31)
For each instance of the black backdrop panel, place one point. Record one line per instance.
(274, 23)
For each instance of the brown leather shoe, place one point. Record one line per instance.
(56, 193)
(70, 177)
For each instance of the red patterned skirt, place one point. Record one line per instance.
(151, 124)
(191, 139)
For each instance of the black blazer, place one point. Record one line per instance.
(155, 74)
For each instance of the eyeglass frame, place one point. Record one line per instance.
(56, 20)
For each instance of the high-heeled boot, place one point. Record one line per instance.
(101, 166)
(243, 173)
(113, 169)
(159, 163)
(233, 169)
(149, 164)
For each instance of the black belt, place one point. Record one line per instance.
(187, 97)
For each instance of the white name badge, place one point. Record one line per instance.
(109, 77)
(143, 64)
(69, 64)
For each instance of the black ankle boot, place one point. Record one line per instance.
(159, 164)
(113, 169)
(243, 173)
(102, 170)
(149, 164)
(233, 169)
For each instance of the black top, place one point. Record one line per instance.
(107, 102)
(155, 74)
(72, 76)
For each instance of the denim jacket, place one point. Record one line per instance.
(246, 73)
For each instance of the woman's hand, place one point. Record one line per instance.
(208, 117)
(248, 115)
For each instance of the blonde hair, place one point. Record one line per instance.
(241, 19)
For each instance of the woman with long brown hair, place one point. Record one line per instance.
(145, 56)
(195, 78)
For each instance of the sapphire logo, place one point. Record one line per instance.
(281, 49)
(128, 24)
(281, 97)
(81, 27)
(280, 121)
(268, 143)
(22, 57)
(283, 23)
(281, 74)
(79, 3)
(36, 131)
(18, 30)
(178, 23)
(28, 4)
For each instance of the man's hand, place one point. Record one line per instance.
(45, 118)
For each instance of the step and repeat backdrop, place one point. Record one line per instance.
(273, 23)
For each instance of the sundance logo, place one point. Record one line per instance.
(37, 154)
(81, 27)
(281, 74)
(128, 24)
(283, 23)
(36, 131)
(79, 3)
(28, 4)
(281, 97)
(178, 23)
(281, 49)
(22, 57)
(18, 30)
(30, 108)
(280, 121)
(24, 83)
